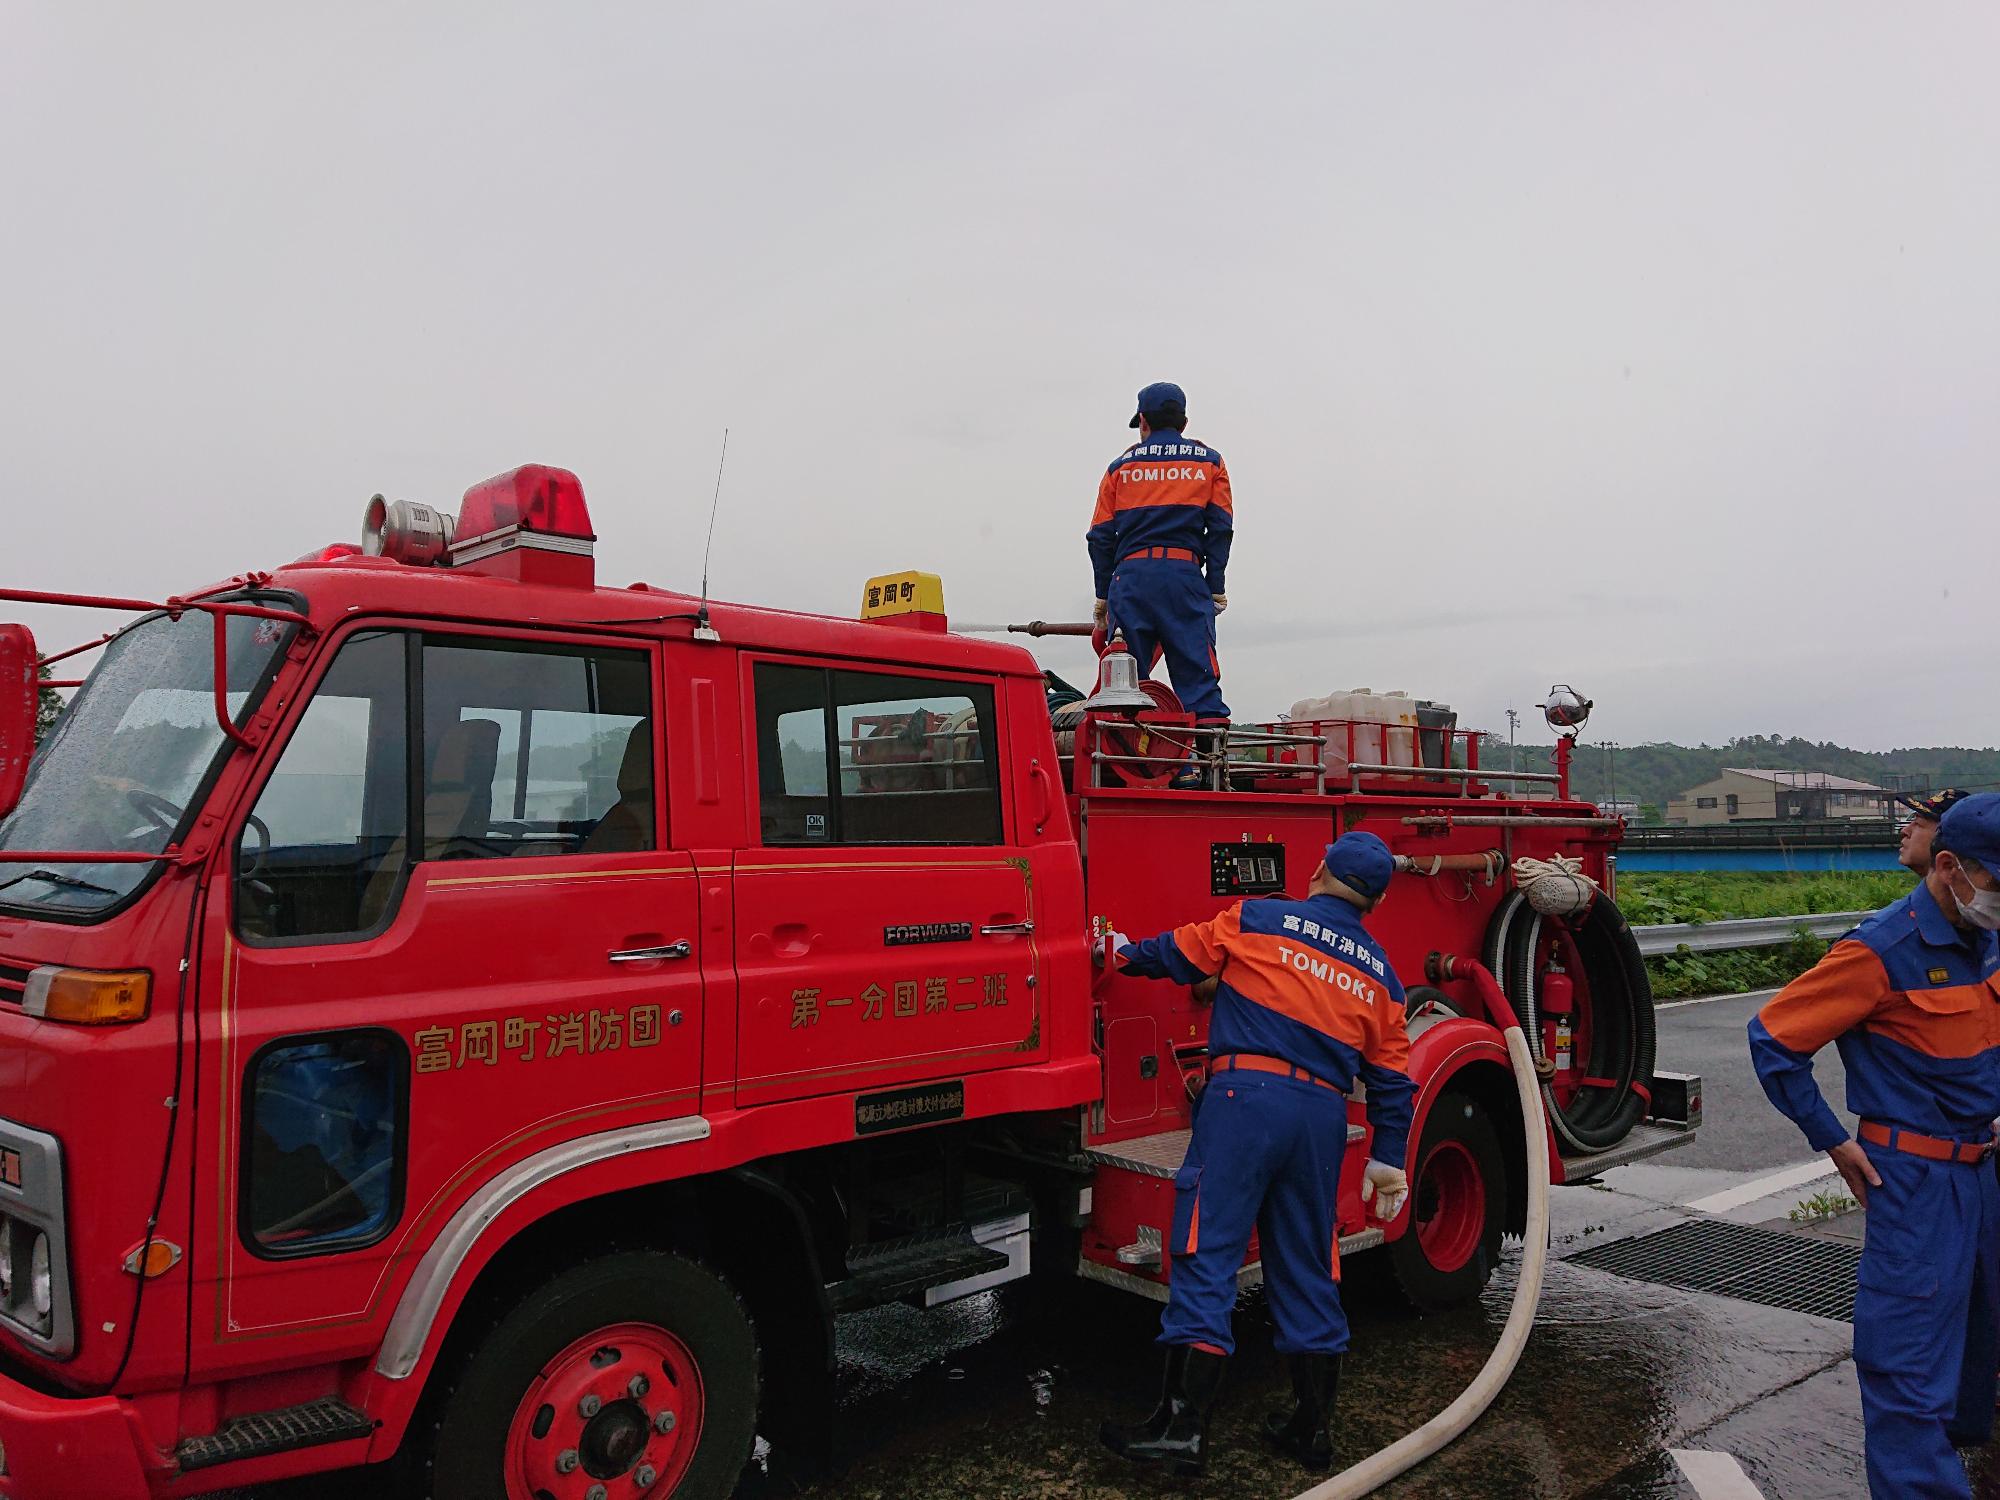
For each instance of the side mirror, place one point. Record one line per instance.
(20, 695)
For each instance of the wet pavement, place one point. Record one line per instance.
(1001, 1395)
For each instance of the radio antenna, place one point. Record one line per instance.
(703, 631)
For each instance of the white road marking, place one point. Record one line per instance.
(1711, 999)
(1763, 1187)
(1715, 1476)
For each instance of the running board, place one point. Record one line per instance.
(1644, 1141)
(327, 1420)
(1161, 1155)
(917, 1265)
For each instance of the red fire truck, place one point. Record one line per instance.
(458, 1014)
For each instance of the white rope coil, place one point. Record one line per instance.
(1555, 887)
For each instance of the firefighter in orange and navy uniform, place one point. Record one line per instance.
(1305, 1003)
(1159, 550)
(1912, 998)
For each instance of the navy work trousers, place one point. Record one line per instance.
(1163, 605)
(1927, 1322)
(1266, 1152)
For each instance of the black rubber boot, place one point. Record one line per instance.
(1306, 1432)
(1176, 1434)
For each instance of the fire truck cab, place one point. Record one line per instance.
(460, 1015)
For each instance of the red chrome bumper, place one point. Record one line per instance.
(61, 1449)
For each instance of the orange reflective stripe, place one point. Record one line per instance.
(1194, 1224)
(1301, 980)
(1949, 1021)
(1336, 1252)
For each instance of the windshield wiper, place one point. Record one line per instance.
(56, 877)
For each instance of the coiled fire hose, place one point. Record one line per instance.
(1378, 1469)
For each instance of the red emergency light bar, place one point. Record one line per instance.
(534, 498)
(529, 524)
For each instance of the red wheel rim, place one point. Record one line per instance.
(1450, 1205)
(613, 1405)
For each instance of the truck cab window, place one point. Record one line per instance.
(533, 749)
(875, 758)
(324, 850)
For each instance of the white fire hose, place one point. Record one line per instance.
(1379, 1468)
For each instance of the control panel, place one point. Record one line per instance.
(1246, 869)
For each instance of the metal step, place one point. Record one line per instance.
(1644, 1141)
(1161, 1155)
(327, 1420)
(891, 1270)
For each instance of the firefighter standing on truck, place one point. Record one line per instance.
(1305, 1004)
(1159, 545)
(1912, 997)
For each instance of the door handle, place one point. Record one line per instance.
(1008, 929)
(1040, 778)
(682, 949)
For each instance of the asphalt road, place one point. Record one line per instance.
(999, 1397)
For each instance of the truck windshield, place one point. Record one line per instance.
(128, 756)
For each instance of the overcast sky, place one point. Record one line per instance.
(1651, 348)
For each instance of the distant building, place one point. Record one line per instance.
(1742, 795)
(1620, 807)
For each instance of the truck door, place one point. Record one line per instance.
(885, 922)
(457, 934)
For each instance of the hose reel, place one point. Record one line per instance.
(1577, 963)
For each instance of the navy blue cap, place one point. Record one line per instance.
(1361, 862)
(1932, 805)
(1971, 830)
(1158, 399)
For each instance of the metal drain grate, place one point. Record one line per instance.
(1792, 1271)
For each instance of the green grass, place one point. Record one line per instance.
(1649, 899)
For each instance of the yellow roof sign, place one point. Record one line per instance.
(902, 594)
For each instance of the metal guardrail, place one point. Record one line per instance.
(1742, 932)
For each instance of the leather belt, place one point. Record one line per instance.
(1171, 554)
(1930, 1148)
(1254, 1062)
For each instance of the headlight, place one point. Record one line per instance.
(41, 1284)
(6, 1262)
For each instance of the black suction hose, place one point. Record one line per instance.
(1620, 997)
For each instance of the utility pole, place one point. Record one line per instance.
(1513, 722)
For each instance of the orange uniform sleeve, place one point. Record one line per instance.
(1107, 501)
(1836, 994)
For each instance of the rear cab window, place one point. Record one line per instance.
(849, 757)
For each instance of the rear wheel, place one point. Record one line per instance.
(1458, 1205)
(634, 1375)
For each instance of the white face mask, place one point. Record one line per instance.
(1981, 908)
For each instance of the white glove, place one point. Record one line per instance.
(1220, 601)
(1388, 1186)
(1104, 952)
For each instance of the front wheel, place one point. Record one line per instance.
(1458, 1205)
(634, 1375)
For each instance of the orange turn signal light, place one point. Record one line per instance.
(87, 997)
(152, 1258)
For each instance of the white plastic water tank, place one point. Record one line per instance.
(1399, 713)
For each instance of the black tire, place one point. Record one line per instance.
(458, 1451)
(1458, 1138)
